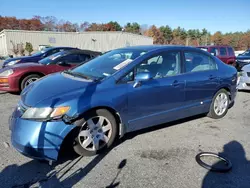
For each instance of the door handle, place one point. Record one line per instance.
(175, 83)
(211, 77)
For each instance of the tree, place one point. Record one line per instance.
(14, 48)
(132, 28)
(157, 35)
(29, 47)
(115, 25)
(179, 36)
(217, 38)
(84, 26)
(20, 49)
(167, 33)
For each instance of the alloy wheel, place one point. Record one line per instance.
(95, 133)
(30, 80)
(220, 104)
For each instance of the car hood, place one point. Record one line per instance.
(24, 65)
(54, 89)
(246, 68)
(18, 58)
(243, 57)
(20, 66)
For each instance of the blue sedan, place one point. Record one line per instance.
(122, 91)
(35, 57)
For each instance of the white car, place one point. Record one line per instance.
(243, 82)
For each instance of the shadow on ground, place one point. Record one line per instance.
(39, 174)
(239, 176)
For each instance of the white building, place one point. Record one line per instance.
(98, 41)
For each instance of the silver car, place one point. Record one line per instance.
(243, 82)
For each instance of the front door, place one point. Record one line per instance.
(67, 62)
(157, 100)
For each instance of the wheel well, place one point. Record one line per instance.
(115, 114)
(27, 74)
(228, 91)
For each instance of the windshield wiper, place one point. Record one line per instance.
(78, 74)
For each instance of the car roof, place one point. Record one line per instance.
(90, 52)
(59, 47)
(215, 46)
(157, 47)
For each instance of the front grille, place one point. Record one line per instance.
(248, 74)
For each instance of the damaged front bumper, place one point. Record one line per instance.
(39, 140)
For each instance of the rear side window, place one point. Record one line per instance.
(230, 51)
(223, 51)
(71, 59)
(214, 51)
(196, 62)
(84, 57)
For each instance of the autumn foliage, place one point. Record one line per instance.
(160, 35)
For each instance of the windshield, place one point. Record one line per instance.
(51, 58)
(41, 52)
(107, 64)
(246, 53)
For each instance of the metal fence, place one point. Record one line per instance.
(99, 41)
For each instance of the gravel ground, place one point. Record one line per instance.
(163, 156)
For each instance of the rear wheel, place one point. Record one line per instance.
(29, 79)
(220, 104)
(97, 131)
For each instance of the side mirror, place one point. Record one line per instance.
(142, 76)
(213, 54)
(62, 63)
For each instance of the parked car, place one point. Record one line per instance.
(224, 53)
(243, 59)
(35, 57)
(121, 91)
(17, 77)
(244, 78)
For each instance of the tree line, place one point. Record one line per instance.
(161, 35)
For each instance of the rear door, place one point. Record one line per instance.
(232, 57)
(223, 54)
(202, 81)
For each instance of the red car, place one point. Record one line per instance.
(17, 77)
(224, 53)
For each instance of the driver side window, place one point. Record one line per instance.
(161, 65)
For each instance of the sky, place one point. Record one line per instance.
(214, 15)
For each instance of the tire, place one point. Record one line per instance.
(90, 130)
(214, 114)
(228, 164)
(27, 79)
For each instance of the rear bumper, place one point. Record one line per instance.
(243, 83)
(39, 140)
(12, 84)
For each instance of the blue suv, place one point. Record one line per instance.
(121, 91)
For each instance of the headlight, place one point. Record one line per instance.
(13, 62)
(45, 113)
(6, 73)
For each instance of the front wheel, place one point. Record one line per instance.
(97, 131)
(220, 104)
(29, 79)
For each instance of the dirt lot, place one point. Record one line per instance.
(158, 157)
